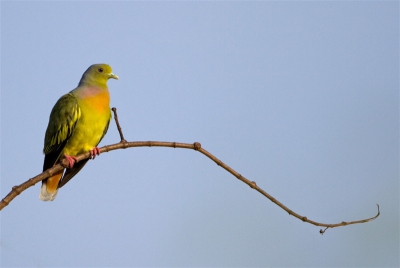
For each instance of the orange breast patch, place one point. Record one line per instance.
(99, 102)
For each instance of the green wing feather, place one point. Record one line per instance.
(63, 119)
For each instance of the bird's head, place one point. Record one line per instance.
(98, 75)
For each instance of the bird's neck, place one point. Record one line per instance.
(90, 91)
(90, 81)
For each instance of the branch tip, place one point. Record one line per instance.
(323, 231)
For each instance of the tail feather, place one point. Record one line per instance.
(49, 189)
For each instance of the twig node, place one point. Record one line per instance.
(197, 145)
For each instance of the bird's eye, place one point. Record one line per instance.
(100, 70)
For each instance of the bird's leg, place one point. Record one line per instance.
(71, 160)
(95, 151)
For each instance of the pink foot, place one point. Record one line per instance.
(95, 151)
(71, 160)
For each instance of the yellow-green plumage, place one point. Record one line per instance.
(78, 122)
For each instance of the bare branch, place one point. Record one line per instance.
(16, 190)
(123, 144)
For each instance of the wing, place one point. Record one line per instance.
(63, 118)
(71, 172)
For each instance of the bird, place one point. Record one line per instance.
(77, 123)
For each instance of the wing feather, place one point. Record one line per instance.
(63, 119)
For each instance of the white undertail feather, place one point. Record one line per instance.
(46, 196)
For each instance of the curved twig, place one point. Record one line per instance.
(16, 190)
(123, 144)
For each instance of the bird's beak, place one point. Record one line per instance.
(114, 76)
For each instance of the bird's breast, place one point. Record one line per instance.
(94, 100)
(95, 115)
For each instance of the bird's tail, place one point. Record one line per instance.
(49, 189)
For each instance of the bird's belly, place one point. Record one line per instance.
(87, 133)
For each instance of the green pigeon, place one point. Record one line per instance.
(78, 122)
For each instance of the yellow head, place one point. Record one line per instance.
(97, 75)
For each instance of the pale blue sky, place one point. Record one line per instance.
(301, 97)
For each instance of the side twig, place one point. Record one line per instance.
(16, 190)
(118, 126)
